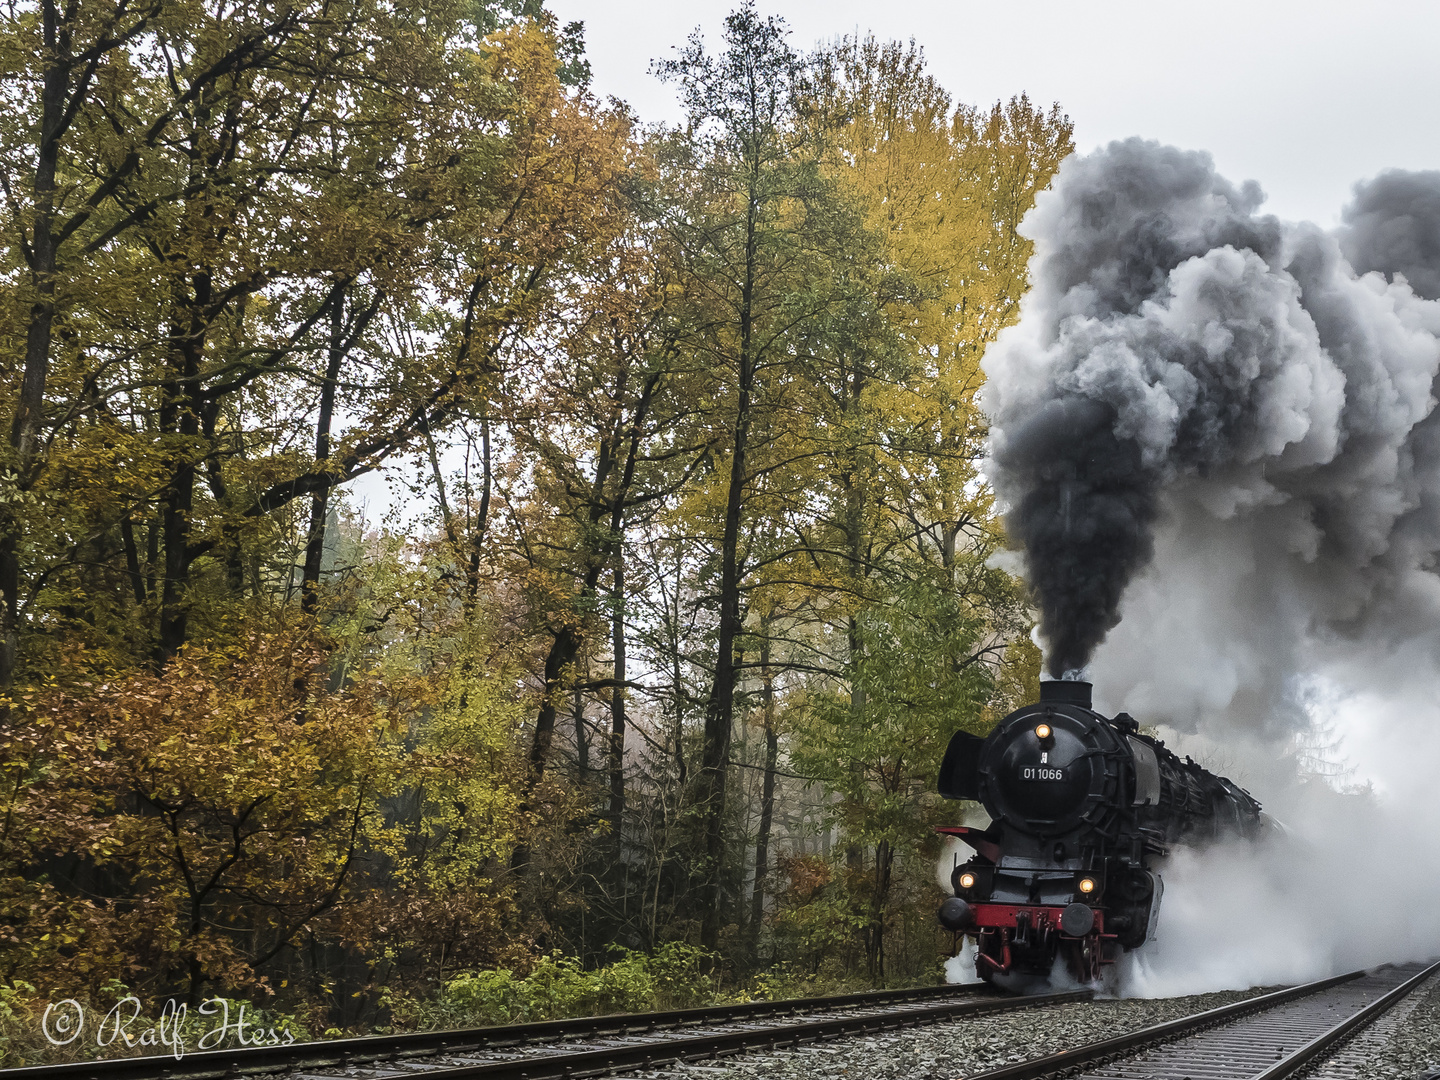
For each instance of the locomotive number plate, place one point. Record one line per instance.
(1041, 772)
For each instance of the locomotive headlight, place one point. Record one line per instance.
(1087, 885)
(1042, 731)
(967, 881)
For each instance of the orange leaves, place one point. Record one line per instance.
(805, 875)
(185, 795)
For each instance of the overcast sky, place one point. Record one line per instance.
(1306, 98)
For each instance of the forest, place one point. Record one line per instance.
(633, 689)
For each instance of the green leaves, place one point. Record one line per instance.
(557, 987)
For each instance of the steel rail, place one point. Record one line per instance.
(1330, 1040)
(583, 1063)
(238, 1061)
(1097, 1052)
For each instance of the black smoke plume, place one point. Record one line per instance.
(1182, 357)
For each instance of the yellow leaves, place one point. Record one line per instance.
(946, 188)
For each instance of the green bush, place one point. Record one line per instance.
(786, 981)
(558, 986)
(680, 971)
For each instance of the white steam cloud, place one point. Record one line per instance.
(1217, 440)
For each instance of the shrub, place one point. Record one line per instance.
(558, 987)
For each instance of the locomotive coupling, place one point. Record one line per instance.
(956, 915)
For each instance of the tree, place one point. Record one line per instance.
(157, 811)
(61, 170)
(261, 204)
(694, 413)
(756, 227)
(898, 551)
(592, 405)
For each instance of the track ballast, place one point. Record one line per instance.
(585, 1046)
(1272, 1037)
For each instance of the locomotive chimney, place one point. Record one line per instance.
(1065, 692)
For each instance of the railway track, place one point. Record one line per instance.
(587, 1046)
(1272, 1037)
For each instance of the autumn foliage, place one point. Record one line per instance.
(686, 576)
(193, 823)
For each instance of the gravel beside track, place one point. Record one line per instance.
(1413, 1049)
(953, 1049)
(578, 1046)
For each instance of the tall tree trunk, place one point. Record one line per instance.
(854, 857)
(853, 481)
(231, 547)
(132, 559)
(152, 553)
(30, 408)
(582, 741)
(879, 898)
(180, 415)
(617, 711)
(677, 682)
(720, 708)
(570, 636)
(564, 647)
(482, 518)
(320, 501)
(568, 639)
(767, 801)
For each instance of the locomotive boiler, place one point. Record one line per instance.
(1082, 807)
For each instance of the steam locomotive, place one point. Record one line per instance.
(1081, 809)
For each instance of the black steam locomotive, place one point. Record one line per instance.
(1081, 806)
